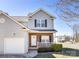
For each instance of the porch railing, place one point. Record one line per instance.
(44, 44)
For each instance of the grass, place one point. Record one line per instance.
(47, 55)
(65, 53)
(69, 49)
(64, 56)
(70, 52)
(44, 55)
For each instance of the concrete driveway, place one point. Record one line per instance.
(11, 56)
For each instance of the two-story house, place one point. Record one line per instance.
(18, 34)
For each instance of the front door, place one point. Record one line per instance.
(33, 40)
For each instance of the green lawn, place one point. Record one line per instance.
(44, 55)
(47, 55)
(65, 53)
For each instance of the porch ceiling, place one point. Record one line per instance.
(43, 30)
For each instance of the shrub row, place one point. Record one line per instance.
(52, 48)
(44, 50)
(56, 47)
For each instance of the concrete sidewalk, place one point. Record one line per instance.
(63, 56)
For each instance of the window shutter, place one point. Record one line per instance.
(35, 22)
(50, 39)
(39, 38)
(45, 22)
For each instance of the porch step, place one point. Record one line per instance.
(31, 53)
(33, 48)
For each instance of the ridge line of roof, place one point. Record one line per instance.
(13, 20)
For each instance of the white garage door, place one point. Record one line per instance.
(1, 45)
(14, 46)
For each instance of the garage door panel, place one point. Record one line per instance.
(14, 45)
(1, 46)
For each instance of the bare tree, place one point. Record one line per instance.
(68, 11)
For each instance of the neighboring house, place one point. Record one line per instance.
(18, 34)
(63, 38)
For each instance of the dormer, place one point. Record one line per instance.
(40, 19)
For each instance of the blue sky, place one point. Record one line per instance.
(23, 7)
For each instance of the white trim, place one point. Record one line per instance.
(43, 11)
(33, 31)
(41, 32)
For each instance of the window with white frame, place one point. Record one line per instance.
(45, 38)
(41, 23)
(38, 24)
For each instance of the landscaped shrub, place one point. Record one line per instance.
(52, 48)
(43, 49)
(56, 47)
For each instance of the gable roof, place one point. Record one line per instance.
(20, 18)
(42, 11)
(24, 18)
(1, 12)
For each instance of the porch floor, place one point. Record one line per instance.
(33, 48)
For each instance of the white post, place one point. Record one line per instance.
(26, 42)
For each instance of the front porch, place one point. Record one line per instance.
(44, 44)
(37, 40)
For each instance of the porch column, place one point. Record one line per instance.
(26, 43)
(51, 38)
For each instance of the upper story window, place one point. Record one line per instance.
(37, 23)
(44, 23)
(40, 23)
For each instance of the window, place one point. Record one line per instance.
(37, 23)
(44, 38)
(44, 23)
(40, 23)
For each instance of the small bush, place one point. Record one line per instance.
(56, 47)
(52, 48)
(44, 50)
